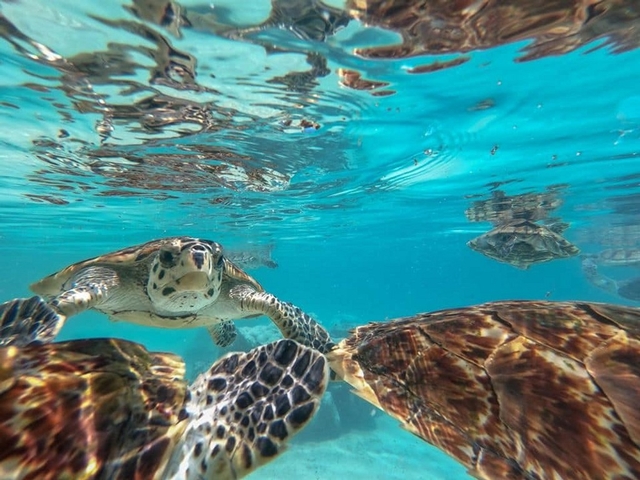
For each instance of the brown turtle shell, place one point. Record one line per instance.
(92, 408)
(518, 389)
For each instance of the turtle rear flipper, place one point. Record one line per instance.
(246, 406)
(292, 322)
(223, 333)
(25, 321)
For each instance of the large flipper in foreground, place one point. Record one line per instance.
(109, 409)
(26, 321)
(246, 406)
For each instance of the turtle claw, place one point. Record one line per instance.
(25, 321)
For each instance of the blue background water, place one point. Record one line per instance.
(366, 213)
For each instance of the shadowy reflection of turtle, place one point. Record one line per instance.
(501, 208)
(553, 28)
(516, 238)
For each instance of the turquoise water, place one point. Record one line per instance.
(124, 122)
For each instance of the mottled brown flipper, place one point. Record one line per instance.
(292, 322)
(26, 321)
(246, 407)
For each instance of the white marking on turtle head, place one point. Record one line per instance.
(185, 276)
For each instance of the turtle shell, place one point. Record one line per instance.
(518, 389)
(87, 409)
(523, 243)
(127, 260)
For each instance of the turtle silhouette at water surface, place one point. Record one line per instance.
(523, 243)
(524, 234)
(174, 282)
(512, 390)
(110, 409)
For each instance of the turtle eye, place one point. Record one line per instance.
(166, 257)
(220, 261)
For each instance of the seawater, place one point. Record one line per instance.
(124, 122)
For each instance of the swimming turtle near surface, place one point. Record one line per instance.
(522, 243)
(175, 282)
(110, 409)
(512, 390)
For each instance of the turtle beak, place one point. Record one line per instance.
(198, 255)
(198, 259)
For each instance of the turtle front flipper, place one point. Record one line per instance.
(292, 322)
(223, 333)
(26, 321)
(245, 407)
(85, 290)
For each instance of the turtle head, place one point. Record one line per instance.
(185, 275)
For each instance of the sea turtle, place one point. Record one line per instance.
(174, 282)
(628, 288)
(110, 409)
(512, 390)
(522, 243)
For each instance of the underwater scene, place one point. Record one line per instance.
(240, 172)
